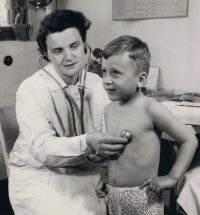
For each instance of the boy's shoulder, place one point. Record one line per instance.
(152, 104)
(146, 103)
(156, 109)
(109, 106)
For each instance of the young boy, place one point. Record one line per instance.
(132, 181)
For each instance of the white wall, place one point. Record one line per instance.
(174, 42)
(24, 55)
(35, 15)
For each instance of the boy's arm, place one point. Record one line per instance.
(101, 186)
(168, 123)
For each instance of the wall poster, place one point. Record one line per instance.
(148, 9)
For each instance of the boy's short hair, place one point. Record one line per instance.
(138, 50)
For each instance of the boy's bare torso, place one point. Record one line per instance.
(140, 158)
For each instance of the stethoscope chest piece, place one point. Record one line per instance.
(126, 134)
(96, 158)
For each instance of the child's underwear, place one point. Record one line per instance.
(133, 201)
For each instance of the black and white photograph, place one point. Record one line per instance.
(99, 107)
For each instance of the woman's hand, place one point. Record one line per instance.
(158, 184)
(105, 144)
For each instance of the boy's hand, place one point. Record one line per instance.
(158, 184)
(101, 191)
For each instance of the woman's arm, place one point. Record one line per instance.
(41, 137)
(39, 133)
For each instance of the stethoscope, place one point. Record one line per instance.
(81, 89)
(95, 157)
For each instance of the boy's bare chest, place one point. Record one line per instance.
(137, 122)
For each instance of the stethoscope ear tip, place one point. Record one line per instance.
(85, 50)
(46, 57)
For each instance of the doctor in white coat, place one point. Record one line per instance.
(49, 170)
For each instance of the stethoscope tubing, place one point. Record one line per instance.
(64, 92)
(82, 93)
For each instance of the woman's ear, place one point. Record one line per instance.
(142, 79)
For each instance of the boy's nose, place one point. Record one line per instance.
(107, 80)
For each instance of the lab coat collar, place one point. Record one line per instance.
(50, 68)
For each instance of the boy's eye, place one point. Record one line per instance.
(116, 72)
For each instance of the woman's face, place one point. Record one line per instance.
(66, 51)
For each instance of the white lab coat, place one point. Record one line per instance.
(49, 171)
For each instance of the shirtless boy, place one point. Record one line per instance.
(132, 179)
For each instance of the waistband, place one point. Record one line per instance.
(126, 188)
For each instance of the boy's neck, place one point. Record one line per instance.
(131, 100)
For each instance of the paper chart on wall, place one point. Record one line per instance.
(147, 9)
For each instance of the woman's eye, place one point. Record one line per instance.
(74, 46)
(57, 51)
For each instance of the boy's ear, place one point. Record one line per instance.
(142, 79)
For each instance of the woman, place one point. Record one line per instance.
(49, 169)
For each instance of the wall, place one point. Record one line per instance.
(35, 15)
(174, 42)
(24, 55)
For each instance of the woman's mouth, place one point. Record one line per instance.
(70, 64)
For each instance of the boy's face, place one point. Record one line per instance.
(120, 77)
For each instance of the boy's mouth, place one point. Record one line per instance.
(109, 90)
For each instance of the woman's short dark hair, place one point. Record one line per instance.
(58, 21)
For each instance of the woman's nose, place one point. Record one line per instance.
(68, 54)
